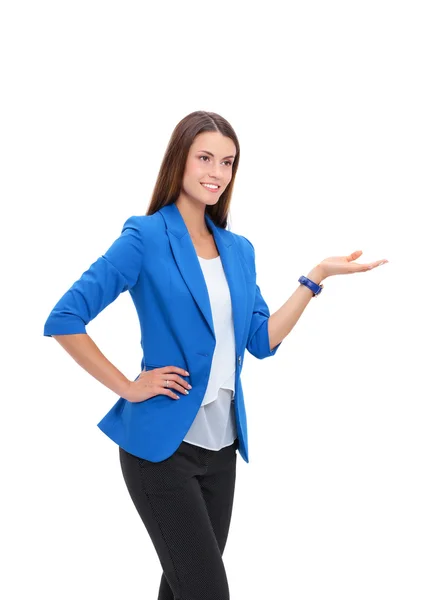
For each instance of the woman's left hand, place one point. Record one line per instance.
(342, 265)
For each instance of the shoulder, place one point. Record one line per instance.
(144, 228)
(145, 224)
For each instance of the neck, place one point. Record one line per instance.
(194, 218)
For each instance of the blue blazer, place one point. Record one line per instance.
(155, 259)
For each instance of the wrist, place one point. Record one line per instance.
(316, 274)
(123, 391)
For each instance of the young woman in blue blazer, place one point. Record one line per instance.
(179, 424)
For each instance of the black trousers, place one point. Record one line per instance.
(185, 503)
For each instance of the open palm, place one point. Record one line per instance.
(342, 265)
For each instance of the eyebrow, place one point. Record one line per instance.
(211, 154)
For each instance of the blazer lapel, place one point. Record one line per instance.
(188, 264)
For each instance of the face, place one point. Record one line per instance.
(209, 160)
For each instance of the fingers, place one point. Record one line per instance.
(167, 392)
(178, 384)
(181, 383)
(174, 381)
(377, 264)
(162, 379)
(173, 369)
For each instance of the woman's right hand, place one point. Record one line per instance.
(151, 383)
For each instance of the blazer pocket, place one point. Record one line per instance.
(149, 366)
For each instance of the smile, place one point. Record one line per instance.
(210, 186)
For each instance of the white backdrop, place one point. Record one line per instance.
(334, 106)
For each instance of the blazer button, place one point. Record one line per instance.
(239, 360)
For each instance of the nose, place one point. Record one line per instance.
(214, 170)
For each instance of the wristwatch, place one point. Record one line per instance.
(316, 289)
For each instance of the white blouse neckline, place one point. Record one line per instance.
(208, 259)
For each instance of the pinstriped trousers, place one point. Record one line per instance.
(185, 503)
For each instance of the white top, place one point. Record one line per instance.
(214, 426)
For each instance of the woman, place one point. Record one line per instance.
(179, 423)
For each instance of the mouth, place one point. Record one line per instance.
(212, 187)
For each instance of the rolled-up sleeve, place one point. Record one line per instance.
(116, 271)
(258, 343)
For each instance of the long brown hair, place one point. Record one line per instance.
(169, 181)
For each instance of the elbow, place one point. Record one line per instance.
(258, 344)
(59, 323)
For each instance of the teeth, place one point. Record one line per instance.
(210, 185)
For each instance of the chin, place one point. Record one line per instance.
(211, 202)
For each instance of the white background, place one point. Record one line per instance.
(334, 104)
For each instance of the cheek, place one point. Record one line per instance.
(194, 170)
(227, 181)
(191, 182)
(191, 178)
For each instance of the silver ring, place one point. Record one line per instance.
(166, 383)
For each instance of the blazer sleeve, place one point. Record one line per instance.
(116, 271)
(258, 343)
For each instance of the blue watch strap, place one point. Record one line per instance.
(314, 287)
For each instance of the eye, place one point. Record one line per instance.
(226, 161)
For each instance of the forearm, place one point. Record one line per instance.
(285, 318)
(86, 353)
